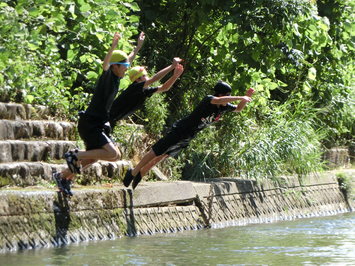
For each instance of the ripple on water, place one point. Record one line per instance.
(325, 240)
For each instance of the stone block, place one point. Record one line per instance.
(21, 129)
(54, 130)
(69, 130)
(38, 129)
(5, 152)
(6, 131)
(3, 111)
(14, 111)
(224, 186)
(160, 194)
(159, 175)
(203, 190)
(97, 199)
(33, 150)
(319, 178)
(337, 157)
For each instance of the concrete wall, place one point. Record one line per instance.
(40, 218)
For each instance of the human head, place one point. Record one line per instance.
(137, 74)
(222, 88)
(119, 63)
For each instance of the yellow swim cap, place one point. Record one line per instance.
(118, 56)
(136, 72)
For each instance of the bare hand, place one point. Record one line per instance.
(178, 70)
(116, 38)
(176, 60)
(250, 92)
(141, 39)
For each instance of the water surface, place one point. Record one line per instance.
(313, 241)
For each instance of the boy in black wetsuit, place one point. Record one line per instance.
(134, 96)
(183, 131)
(93, 122)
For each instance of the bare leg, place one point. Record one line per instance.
(107, 152)
(145, 160)
(118, 157)
(153, 162)
(86, 163)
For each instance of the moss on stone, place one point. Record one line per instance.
(345, 185)
(5, 181)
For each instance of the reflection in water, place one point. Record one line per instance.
(316, 241)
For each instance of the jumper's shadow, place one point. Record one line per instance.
(248, 196)
(129, 212)
(61, 212)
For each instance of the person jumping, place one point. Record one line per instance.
(93, 122)
(183, 131)
(135, 95)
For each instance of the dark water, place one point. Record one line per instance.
(313, 241)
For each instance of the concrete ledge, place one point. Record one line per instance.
(34, 218)
(227, 186)
(160, 194)
(319, 178)
(36, 201)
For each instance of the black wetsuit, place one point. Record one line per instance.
(186, 129)
(129, 101)
(91, 125)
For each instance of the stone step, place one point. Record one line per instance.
(19, 150)
(38, 173)
(16, 111)
(26, 129)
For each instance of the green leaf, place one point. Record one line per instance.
(71, 55)
(29, 98)
(72, 11)
(312, 73)
(306, 87)
(84, 8)
(32, 46)
(92, 75)
(295, 30)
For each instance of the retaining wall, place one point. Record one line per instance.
(40, 218)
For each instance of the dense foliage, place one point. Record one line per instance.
(51, 51)
(297, 54)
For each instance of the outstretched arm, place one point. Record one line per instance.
(228, 99)
(242, 104)
(167, 85)
(135, 51)
(162, 73)
(106, 63)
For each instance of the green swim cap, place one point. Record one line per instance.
(136, 72)
(118, 56)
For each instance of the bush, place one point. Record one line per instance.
(155, 113)
(283, 143)
(51, 51)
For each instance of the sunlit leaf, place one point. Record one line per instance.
(92, 75)
(312, 73)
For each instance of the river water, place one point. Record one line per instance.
(312, 241)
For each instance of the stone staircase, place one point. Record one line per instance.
(33, 143)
